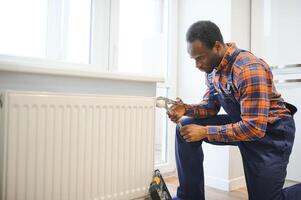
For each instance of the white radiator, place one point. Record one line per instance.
(75, 147)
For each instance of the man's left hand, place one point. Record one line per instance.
(193, 132)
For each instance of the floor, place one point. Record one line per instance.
(215, 194)
(211, 193)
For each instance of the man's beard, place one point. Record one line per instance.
(216, 60)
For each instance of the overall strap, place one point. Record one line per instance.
(234, 55)
(210, 78)
(230, 63)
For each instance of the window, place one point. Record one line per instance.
(53, 29)
(78, 31)
(141, 46)
(130, 36)
(120, 35)
(26, 29)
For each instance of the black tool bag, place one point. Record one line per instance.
(158, 189)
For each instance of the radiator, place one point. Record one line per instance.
(76, 147)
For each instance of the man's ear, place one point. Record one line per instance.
(217, 48)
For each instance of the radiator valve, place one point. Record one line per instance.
(163, 102)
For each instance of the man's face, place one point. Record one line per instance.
(205, 59)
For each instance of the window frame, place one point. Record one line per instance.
(100, 34)
(170, 82)
(103, 51)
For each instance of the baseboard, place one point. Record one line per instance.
(218, 183)
(224, 184)
(237, 183)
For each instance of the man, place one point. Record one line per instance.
(258, 120)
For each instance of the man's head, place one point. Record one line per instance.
(205, 44)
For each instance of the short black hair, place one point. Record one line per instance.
(205, 31)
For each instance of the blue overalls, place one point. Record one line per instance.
(264, 160)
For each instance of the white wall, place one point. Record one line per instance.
(276, 30)
(223, 168)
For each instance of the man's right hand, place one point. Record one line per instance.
(176, 111)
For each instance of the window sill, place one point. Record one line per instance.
(41, 66)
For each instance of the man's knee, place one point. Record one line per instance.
(186, 121)
(190, 120)
(214, 120)
(203, 122)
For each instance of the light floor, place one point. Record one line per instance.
(215, 194)
(211, 193)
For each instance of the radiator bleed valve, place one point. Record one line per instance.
(158, 189)
(163, 102)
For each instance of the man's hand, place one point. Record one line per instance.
(193, 132)
(176, 111)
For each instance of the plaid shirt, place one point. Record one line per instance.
(254, 90)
